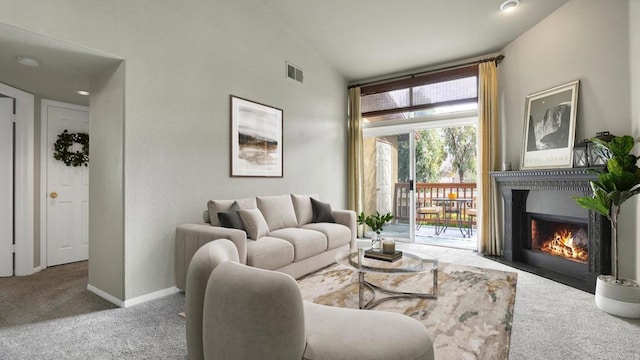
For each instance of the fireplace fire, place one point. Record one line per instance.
(565, 239)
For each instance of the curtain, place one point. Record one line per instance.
(355, 182)
(489, 205)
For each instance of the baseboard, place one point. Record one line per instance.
(135, 301)
(151, 296)
(110, 298)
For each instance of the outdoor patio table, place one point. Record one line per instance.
(454, 206)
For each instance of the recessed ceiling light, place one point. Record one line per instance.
(28, 60)
(509, 5)
(83, 92)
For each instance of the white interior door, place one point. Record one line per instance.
(383, 176)
(67, 195)
(6, 187)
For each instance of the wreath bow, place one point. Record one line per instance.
(65, 142)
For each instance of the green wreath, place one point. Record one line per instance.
(72, 158)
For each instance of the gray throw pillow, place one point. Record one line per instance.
(321, 212)
(231, 219)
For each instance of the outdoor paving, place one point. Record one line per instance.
(426, 234)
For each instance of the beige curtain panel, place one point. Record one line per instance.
(489, 206)
(355, 171)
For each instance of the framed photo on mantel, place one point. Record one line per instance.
(256, 139)
(550, 127)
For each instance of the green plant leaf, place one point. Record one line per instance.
(594, 204)
(620, 146)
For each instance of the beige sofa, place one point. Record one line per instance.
(239, 312)
(279, 234)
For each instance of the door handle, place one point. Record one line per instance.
(53, 194)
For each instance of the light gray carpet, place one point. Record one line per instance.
(551, 321)
(152, 330)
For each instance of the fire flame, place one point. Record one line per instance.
(562, 245)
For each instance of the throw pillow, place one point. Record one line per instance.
(302, 207)
(216, 206)
(321, 212)
(277, 211)
(254, 223)
(231, 219)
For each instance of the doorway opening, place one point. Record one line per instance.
(424, 173)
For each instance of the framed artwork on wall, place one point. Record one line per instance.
(549, 128)
(256, 139)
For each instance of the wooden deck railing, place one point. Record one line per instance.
(425, 195)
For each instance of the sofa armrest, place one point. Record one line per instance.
(348, 219)
(190, 237)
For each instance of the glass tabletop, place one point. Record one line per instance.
(409, 263)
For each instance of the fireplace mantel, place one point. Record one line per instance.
(552, 179)
(515, 186)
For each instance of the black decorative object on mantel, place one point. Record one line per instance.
(580, 155)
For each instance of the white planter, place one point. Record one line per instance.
(618, 299)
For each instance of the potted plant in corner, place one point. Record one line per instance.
(616, 184)
(376, 222)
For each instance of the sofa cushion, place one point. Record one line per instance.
(337, 234)
(269, 253)
(306, 243)
(332, 332)
(216, 206)
(254, 223)
(277, 211)
(231, 219)
(302, 207)
(321, 212)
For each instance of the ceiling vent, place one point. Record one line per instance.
(294, 72)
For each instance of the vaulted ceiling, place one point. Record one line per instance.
(369, 38)
(362, 39)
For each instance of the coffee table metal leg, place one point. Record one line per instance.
(393, 294)
(435, 282)
(361, 290)
(361, 285)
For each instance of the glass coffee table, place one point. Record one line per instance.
(409, 263)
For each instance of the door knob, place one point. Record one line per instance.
(53, 194)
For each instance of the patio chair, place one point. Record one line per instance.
(428, 212)
(472, 215)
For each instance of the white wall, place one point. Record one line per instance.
(106, 183)
(586, 40)
(183, 59)
(632, 210)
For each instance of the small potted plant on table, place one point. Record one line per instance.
(376, 222)
(616, 184)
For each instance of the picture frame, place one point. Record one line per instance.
(256, 139)
(549, 128)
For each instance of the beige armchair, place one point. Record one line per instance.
(251, 313)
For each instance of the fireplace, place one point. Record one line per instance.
(547, 233)
(558, 243)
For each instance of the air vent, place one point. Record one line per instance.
(294, 72)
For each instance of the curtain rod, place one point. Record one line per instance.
(496, 59)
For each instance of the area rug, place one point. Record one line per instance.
(471, 319)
